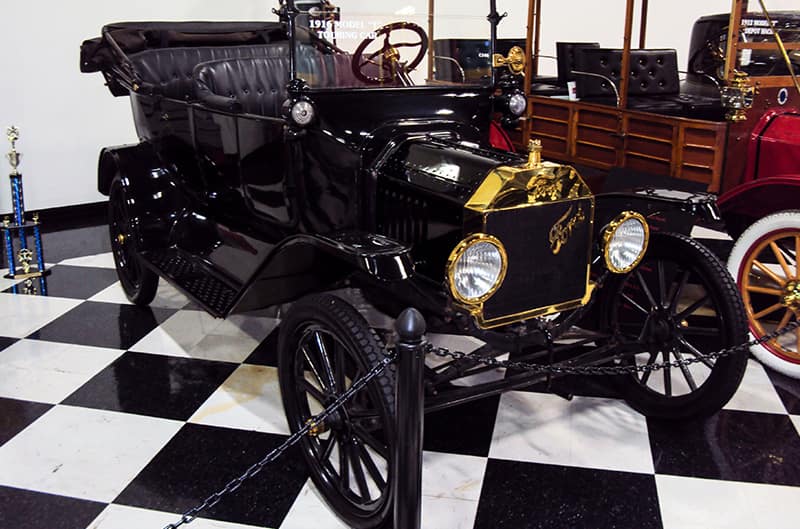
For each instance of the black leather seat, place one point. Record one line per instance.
(254, 85)
(168, 71)
(566, 53)
(654, 82)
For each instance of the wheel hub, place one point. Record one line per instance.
(791, 295)
(661, 328)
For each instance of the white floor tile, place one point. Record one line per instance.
(448, 513)
(196, 334)
(167, 296)
(123, 517)
(249, 400)
(690, 503)
(21, 315)
(699, 232)
(756, 393)
(49, 372)
(586, 432)
(84, 453)
(101, 260)
(796, 420)
(310, 511)
(452, 475)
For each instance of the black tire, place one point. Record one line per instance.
(139, 282)
(314, 374)
(679, 302)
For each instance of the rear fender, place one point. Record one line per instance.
(665, 209)
(149, 188)
(307, 263)
(748, 202)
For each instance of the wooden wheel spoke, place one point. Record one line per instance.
(646, 375)
(344, 466)
(687, 374)
(312, 390)
(701, 331)
(797, 256)
(325, 359)
(768, 310)
(772, 275)
(639, 307)
(314, 368)
(781, 259)
(662, 283)
(691, 309)
(341, 365)
(646, 289)
(785, 320)
(763, 290)
(370, 440)
(358, 471)
(667, 376)
(678, 292)
(370, 465)
(694, 351)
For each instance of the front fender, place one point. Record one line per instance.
(306, 263)
(750, 201)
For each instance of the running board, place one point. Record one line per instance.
(193, 279)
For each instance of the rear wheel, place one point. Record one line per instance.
(138, 282)
(764, 262)
(325, 345)
(679, 303)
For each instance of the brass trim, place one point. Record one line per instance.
(459, 251)
(515, 61)
(611, 229)
(541, 311)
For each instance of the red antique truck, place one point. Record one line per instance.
(729, 124)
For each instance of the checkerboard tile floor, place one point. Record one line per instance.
(117, 417)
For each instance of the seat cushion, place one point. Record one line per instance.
(566, 55)
(255, 85)
(653, 72)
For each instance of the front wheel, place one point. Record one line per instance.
(764, 262)
(680, 303)
(324, 346)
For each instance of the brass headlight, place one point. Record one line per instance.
(476, 268)
(625, 242)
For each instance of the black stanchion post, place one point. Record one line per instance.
(410, 327)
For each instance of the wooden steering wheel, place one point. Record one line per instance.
(387, 59)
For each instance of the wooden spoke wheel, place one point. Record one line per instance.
(679, 303)
(764, 262)
(325, 345)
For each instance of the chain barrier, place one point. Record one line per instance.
(190, 515)
(610, 370)
(312, 424)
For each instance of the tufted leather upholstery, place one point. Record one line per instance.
(653, 72)
(168, 71)
(254, 85)
(566, 54)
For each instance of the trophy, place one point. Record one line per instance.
(18, 228)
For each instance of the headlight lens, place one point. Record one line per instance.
(625, 241)
(517, 104)
(303, 113)
(476, 268)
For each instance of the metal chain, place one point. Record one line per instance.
(190, 515)
(609, 370)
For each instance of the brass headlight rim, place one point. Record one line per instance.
(459, 251)
(612, 228)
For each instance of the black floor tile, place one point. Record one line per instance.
(16, 415)
(579, 386)
(200, 460)
(788, 389)
(518, 495)
(266, 354)
(79, 242)
(5, 342)
(26, 509)
(465, 429)
(731, 445)
(78, 282)
(149, 384)
(103, 325)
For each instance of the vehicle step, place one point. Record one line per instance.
(195, 280)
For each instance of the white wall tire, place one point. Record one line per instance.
(764, 281)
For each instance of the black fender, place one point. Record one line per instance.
(149, 187)
(665, 209)
(306, 263)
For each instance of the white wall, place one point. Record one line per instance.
(65, 117)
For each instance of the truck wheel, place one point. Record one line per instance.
(324, 345)
(138, 282)
(764, 262)
(679, 303)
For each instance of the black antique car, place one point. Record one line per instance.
(275, 167)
